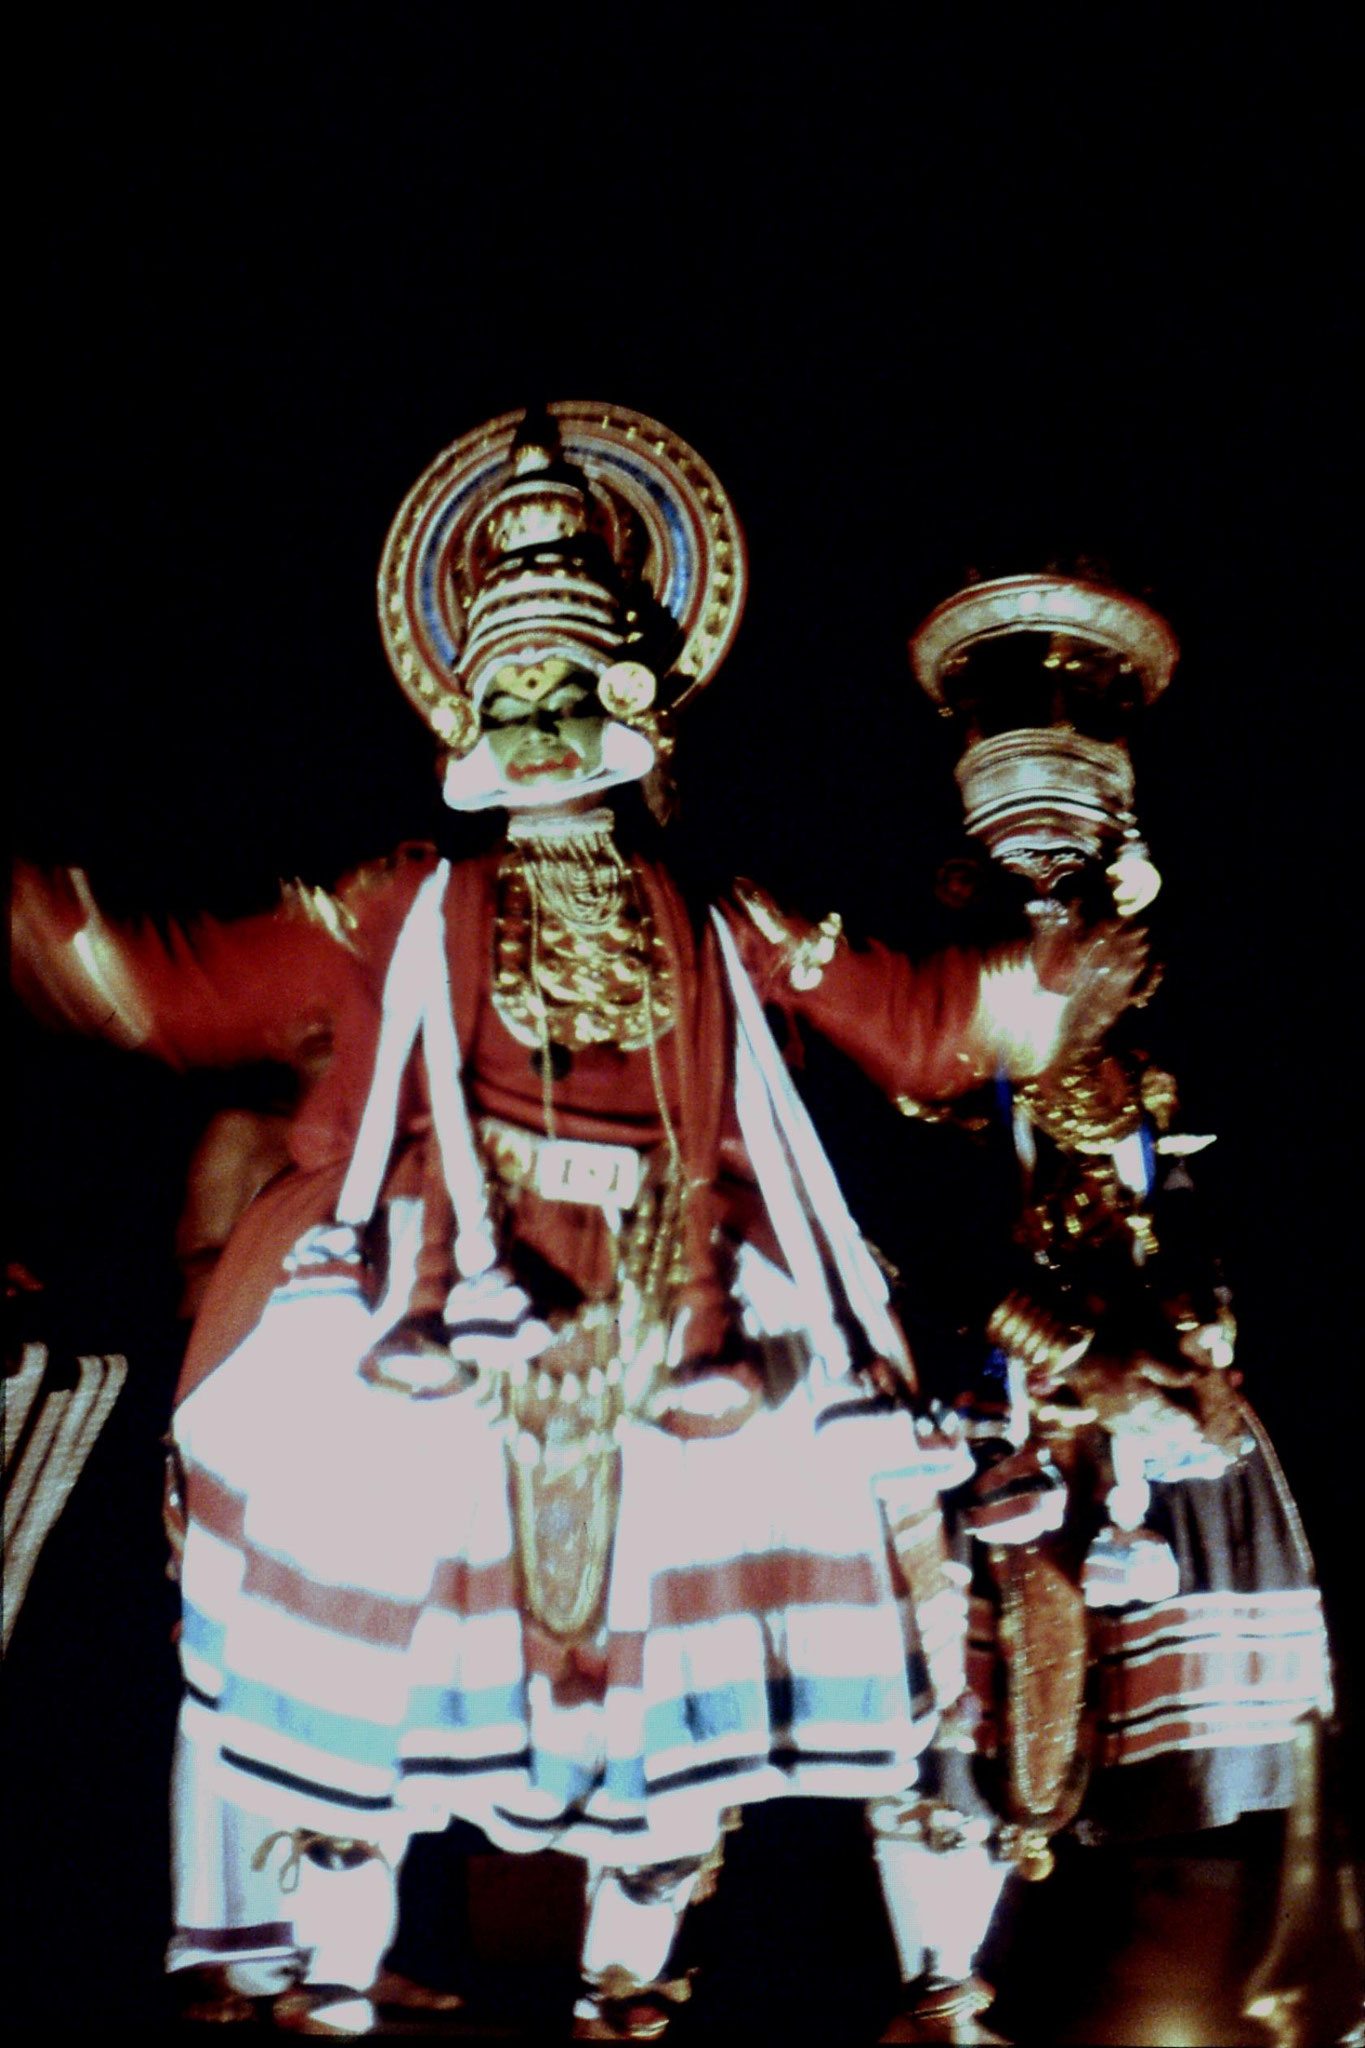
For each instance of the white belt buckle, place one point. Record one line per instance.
(575, 1170)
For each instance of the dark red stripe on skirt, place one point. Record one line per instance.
(345, 1610)
(381, 1618)
(465, 1588)
(1175, 1678)
(1218, 1727)
(759, 1584)
(626, 1659)
(207, 1500)
(1252, 1619)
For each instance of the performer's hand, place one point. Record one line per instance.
(1099, 971)
(1135, 1396)
(775, 946)
(1210, 1346)
(713, 1395)
(1133, 882)
(489, 1322)
(699, 1402)
(1174, 1408)
(1211, 1391)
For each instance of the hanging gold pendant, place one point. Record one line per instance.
(564, 1466)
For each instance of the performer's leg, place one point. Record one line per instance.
(940, 1901)
(345, 1913)
(633, 1922)
(233, 1940)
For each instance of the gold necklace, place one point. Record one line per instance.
(577, 961)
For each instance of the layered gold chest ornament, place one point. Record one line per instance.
(576, 959)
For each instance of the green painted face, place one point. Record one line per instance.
(544, 725)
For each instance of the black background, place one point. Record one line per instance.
(973, 291)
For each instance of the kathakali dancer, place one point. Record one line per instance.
(1148, 1644)
(546, 1438)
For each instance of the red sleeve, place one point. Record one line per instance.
(207, 994)
(257, 988)
(910, 1026)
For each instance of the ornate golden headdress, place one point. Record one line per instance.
(1045, 673)
(1075, 613)
(583, 531)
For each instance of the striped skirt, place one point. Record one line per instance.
(1194, 1699)
(1198, 1696)
(358, 1662)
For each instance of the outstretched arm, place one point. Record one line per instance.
(930, 1030)
(209, 994)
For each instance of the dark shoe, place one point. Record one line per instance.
(205, 1997)
(612, 2012)
(391, 1991)
(337, 2012)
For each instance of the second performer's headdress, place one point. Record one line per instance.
(1046, 673)
(580, 541)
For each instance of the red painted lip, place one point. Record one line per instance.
(530, 771)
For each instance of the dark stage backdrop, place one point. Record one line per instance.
(926, 301)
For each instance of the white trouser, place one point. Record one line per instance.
(223, 1885)
(215, 1888)
(344, 1920)
(633, 1921)
(939, 1903)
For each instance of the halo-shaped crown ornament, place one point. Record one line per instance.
(585, 531)
(1068, 606)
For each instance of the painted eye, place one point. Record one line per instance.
(567, 698)
(508, 710)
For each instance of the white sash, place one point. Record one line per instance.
(417, 1003)
(795, 1176)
